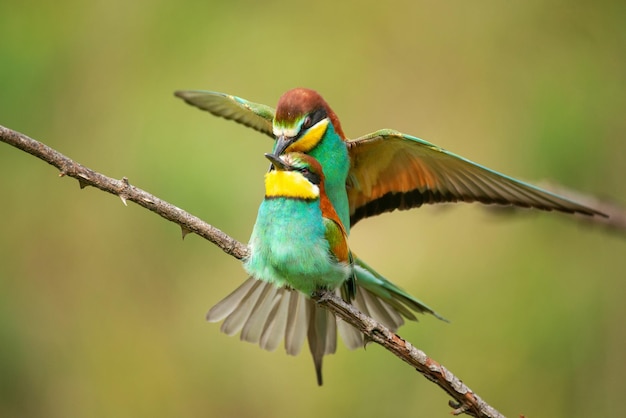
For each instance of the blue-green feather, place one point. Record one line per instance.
(332, 154)
(289, 247)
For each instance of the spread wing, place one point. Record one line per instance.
(253, 115)
(390, 170)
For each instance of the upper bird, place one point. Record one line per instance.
(298, 246)
(378, 172)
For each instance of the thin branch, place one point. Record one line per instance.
(125, 191)
(466, 401)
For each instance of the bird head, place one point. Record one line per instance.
(294, 175)
(301, 120)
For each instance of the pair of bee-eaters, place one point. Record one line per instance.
(319, 185)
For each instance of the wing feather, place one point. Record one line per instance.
(253, 115)
(391, 170)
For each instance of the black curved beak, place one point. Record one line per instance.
(282, 143)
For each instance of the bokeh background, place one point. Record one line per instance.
(102, 306)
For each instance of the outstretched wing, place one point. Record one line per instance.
(253, 115)
(390, 170)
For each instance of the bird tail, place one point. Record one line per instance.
(381, 300)
(265, 314)
(402, 302)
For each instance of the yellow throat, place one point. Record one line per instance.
(290, 184)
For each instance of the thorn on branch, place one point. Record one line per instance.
(185, 231)
(123, 195)
(83, 183)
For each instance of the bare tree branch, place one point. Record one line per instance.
(125, 191)
(466, 401)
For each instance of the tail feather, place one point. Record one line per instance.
(236, 308)
(297, 322)
(266, 314)
(274, 329)
(380, 310)
(322, 335)
(227, 305)
(374, 307)
(234, 322)
(351, 337)
(259, 317)
(400, 300)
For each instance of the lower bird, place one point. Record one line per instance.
(298, 246)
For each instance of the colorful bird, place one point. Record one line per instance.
(376, 173)
(379, 172)
(298, 246)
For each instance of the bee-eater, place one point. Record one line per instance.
(299, 245)
(378, 172)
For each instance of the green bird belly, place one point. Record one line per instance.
(288, 247)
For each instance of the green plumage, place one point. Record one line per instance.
(289, 247)
(332, 154)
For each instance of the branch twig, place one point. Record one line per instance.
(125, 191)
(466, 401)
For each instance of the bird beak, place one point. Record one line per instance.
(276, 162)
(282, 143)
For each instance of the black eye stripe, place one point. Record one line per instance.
(317, 115)
(313, 118)
(314, 178)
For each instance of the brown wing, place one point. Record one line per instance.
(390, 170)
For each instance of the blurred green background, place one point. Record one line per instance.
(102, 306)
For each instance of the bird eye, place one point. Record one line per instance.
(309, 175)
(307, 122)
